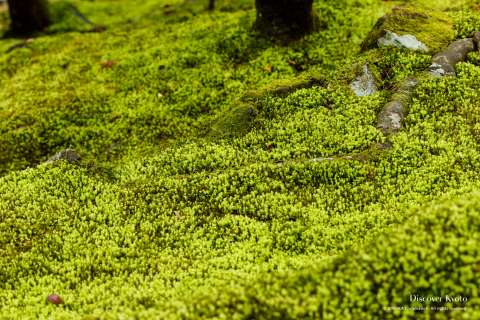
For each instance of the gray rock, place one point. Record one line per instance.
(364, 85)
(443, 63)
(68, 155)
(391, 39)
(476, 40)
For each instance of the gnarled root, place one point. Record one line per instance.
(392, 114)
(443, 64)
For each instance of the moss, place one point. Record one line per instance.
(433, 28)
(284, 87)
(466, 23)
(396, 268)
(234, 122)
(160, 220)
(474, 58)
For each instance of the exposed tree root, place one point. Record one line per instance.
(23, 44)
(476, 40)
(443, 64)
(392, 114)
(391, 117)
(95, 27)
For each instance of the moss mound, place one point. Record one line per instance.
(224, 176)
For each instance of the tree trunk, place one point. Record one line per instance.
(28, 16)
(285, 18)
(211, 5)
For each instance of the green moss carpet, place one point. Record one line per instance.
(227, 176)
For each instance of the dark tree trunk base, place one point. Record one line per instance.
(211, 5)
(285, 19)
(28, 16)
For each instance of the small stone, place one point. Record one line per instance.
(68, 155)
(391, 39)
(476, 40)
(364, 85)
(55, 299)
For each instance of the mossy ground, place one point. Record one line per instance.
(203, 194)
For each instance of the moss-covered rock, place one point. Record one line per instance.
(433, 28)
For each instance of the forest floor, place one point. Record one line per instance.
(215, 184)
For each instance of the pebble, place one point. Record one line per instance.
(55, 299)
